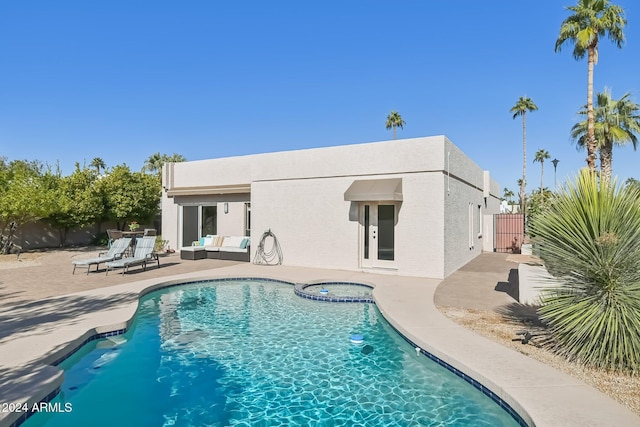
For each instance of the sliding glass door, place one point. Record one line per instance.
(198, 221)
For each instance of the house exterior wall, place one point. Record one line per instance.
(299, 196)
(232, 222)
(465, 207)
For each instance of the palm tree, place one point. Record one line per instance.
(394, 120)
(523, 105)
(507, 194)
(175, 158)
(591, 20)
(521, 195)
(541, 156)
(632, 182)
(155, 162)
(615, 122)
(98, 163)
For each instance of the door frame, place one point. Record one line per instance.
(368, 236)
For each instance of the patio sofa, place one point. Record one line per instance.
(234, 248)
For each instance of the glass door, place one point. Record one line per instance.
(198, 221)
(377, 237)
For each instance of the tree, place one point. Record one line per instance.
(616, 122)
(632, 182)
(78, 202)
(130, 196)
(394, 120)
(98, 163)
(591, 19)
(523, 105)
(507, 194)
(155, 162)
(541, 156)
(24, 196)
(589, 241)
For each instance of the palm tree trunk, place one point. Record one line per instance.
(541, 176)
(606, 160)
(591, 134)
(523, 185)
(394, 132)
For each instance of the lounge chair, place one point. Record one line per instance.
(114, 235)
(117, 249)
(141, 256)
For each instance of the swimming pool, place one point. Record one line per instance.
(251, 353)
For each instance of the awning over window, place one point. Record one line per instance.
(374, 190)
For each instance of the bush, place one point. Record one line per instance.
(101, 239)
(591, 242)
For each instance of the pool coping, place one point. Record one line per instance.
(541, 395)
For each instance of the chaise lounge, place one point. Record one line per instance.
(116, 251)
(143, 254)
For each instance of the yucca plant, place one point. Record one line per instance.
(591, 242)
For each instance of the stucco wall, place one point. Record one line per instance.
(309, 218)
(40, 235)
(464, 185)
(170, 221)
(317, 228)
(400, 156)
(232, 222)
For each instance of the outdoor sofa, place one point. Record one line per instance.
(234, 248)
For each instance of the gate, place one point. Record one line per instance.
(508, 232)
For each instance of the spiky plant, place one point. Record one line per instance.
(591, 243)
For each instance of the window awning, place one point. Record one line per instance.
(374, 190)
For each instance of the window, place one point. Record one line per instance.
(471, 226)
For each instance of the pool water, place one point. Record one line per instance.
(247, 353)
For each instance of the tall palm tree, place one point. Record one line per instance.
(523, 105)
(591, 20)
(98, 163)
(541, 156)
(615, 122)
(394, 120)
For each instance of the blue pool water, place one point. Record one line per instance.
(248, 353)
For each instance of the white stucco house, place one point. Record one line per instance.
(416, 207)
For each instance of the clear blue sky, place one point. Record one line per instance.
(122, 79)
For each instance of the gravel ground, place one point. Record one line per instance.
(502, 329)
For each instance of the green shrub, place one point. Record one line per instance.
(591, 242)
(101, 239)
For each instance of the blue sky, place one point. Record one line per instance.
(123, 79)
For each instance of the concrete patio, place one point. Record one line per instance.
(45, 311)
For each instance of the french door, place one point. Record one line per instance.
(377, 235)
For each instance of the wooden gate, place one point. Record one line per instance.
(508, 232)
